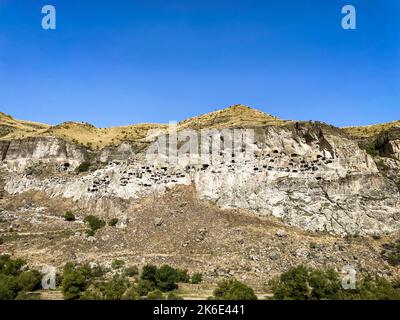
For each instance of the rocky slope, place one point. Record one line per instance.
(302, 196)
(310, 175)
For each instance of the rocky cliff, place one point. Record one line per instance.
(309, 175)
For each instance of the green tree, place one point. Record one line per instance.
(182, 276)
(29, 281)
(76, 279)
(143, 287)
(166, 278)
(233, 290)
(292, 284)
(149, 273)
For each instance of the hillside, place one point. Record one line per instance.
(96, 138)
(237, 116)
(231, 117)
(370, 131)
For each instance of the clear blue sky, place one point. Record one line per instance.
(121, 62)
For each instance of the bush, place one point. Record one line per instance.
(74, 284)
(76, 279)
(233, 290)
(130, 294)
(69, 216)
(131, 271)
(114, 289)
(155, 295)
(166, 278)
(94, 224)
(90, 233)
(113, 222)
(149, 273)
(28, 296)
(14, 282)
(302, 283)
(117, 264)
(372, 151)
(8, 287)
(83, 167)
(10, 266)
(173, 296)
(197, 278)
(182, 276)
(143, 287)
(29, 281)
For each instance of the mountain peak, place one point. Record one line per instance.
(234, 116)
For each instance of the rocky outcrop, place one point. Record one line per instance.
(388, 143)
(310, 175)
(41, 148)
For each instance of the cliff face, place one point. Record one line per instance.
(388, 143)
(41, 148)
(310, 175)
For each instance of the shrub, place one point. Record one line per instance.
(90, 294)
(182, 276)
(149, 273)
(117, 264)
(372, 151)
(27, 296)
(299, 284)
(76, 279)
(10, 266)
(8, 287)
(197, 278)
(83, 167)
(94, 224)
(130, 294)
(233, 290)
(13, 281)
(173, 296)
(114, 289)
(131, 271)
(69, 216)
(155, 295)
(166, 278)
(302, 283)
(143, 287)
(74, 284)
(29, 281)
(113, 222)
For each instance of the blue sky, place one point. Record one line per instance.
(121, 62)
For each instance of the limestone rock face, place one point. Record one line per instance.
(309, 175)
(39, 148)
(388, 143)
